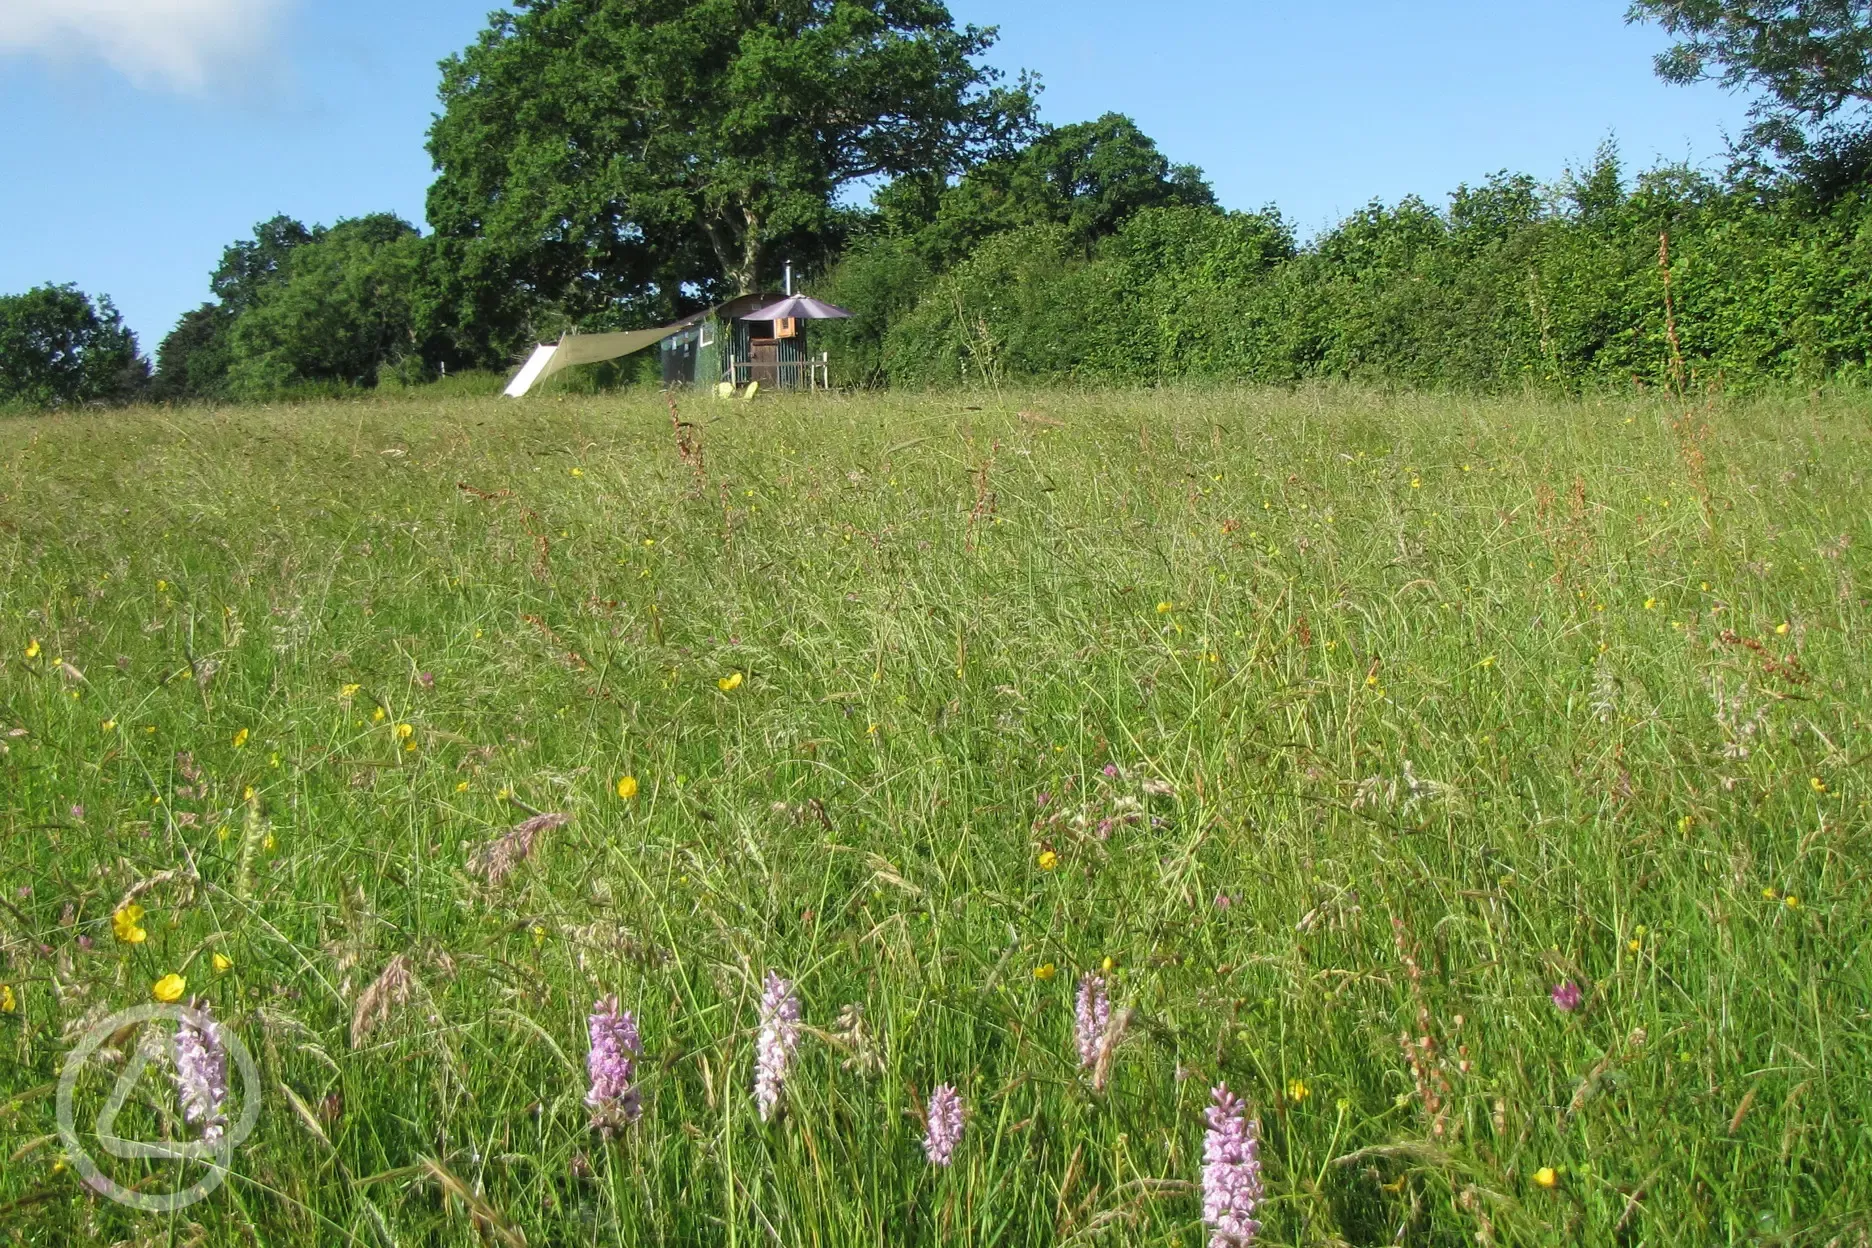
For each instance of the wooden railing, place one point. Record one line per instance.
(786, 374)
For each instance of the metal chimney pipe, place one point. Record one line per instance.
(789, 278)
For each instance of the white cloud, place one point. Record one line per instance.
(185, 45)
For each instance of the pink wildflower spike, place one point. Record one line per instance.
(1566, 996)
(1231, 1176)
(779, 1033)
(614, 1099)
(1092, 1018)
(944, 1130)
(201, 1072)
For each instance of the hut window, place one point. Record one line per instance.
(786, 327)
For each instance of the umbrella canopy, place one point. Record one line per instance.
(799, 308)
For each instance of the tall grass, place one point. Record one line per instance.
(1335, 730)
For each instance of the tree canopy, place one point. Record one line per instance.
(655, 151)
(1811, 59)
(1090, 177)
(57, 346)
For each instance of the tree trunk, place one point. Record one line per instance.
(740, 248)
(753, 253)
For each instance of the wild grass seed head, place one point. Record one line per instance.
(500, 857)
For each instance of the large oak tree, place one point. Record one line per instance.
(1811, 60)
(660, 151)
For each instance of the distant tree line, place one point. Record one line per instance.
(606, 164)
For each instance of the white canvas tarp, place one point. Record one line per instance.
(584, 349)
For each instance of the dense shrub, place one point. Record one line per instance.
(1507, 287)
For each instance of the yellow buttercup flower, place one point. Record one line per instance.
(1297, 1090)
(1048, 860)
(125, 925)
(349, 691)
(1781, 630)
(378, 716)
(32, 648)
(1545, 1177)
(1165, 608)
(169, 988)
(240, 738)
(109, 725)
(1045, 972)
(462, 787)
(222, 963)
(627, 787)
(728, 684)
(1819, 785)
(405, 731)
(8, 1002)
(1107, 966)
(1793, 902)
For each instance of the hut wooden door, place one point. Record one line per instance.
(764, 361)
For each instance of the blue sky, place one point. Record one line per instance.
(144, 138)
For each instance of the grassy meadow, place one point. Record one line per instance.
(1335, 729)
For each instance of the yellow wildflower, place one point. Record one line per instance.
(32, 648)
(1165, 608)
(1297, 1090)
(378, 716)
(627, 787)
(240, 738)
(1634, 944)
(728, 684)
(539, 935)
(405, 731)
(462, 787)
(8, 1002)
(1769, 894)
(578, 472)
(109, 725)
(1048, 860)
(1108, 965)
(1793, 902)
(222, 963)
(349, 691)
(1650, 604)
(1045, 972)
(125, 925)
(1819, 785)
(1781, 630)
(169, 988)
(1545, 1177)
